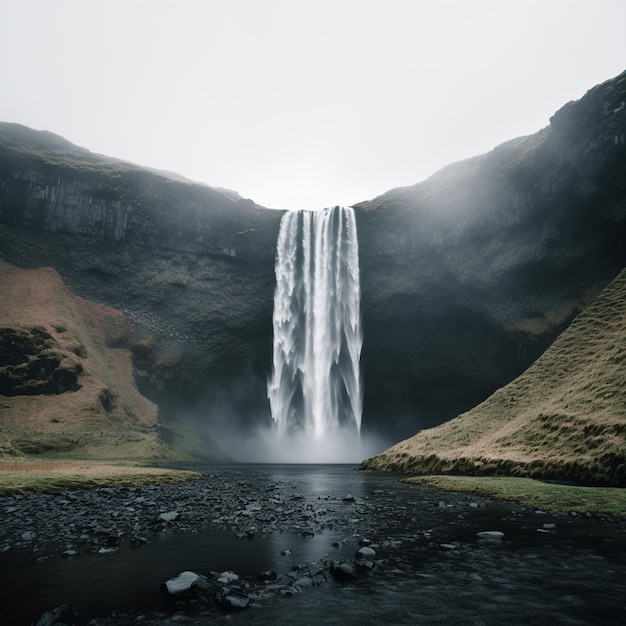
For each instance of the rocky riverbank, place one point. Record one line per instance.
(373, 535)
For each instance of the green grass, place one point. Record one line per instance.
(550, 497)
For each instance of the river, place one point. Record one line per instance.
(430, 565)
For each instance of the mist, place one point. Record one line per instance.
(267, 445)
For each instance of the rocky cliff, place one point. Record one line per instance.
(66, 381)
(192, 266)
(469, 276)
(466, 277)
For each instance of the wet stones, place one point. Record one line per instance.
(267, 576)
(227, 577)
(184, 583)
(365, 552)
(170, 516)
(343, 571)
(232, 598)
(490, 535)
(63, 615)
(69, 554)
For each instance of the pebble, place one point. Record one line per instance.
(181, 583)
(227, 577)
(491, 535)
(107, 521)
(365, 553)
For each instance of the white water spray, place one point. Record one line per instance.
(315, 388)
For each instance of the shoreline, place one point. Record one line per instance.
(38, 476)
(26, 476)
(285, 531)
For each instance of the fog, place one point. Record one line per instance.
(267, 445)
(307, 103)
(237, 417)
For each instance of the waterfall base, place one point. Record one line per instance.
(269, 446)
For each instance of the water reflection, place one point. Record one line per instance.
(432, 568)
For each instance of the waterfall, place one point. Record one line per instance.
(315, 387)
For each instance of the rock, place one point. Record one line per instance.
(170, 516)
(307, 534)
(349, 498)
(448, 546)
(364, 541)
(69, 554)
(303, 583)
(286, 552)
(557, 188)
(490, 535)
(232, 598)
(183, 583)
(29, 535)
(63, 615)
(227, 577)
(343, 571)
(365, 553)
(549, 526)
(268, 576)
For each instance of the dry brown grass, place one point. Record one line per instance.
(564, 418)
(107, 418)
(40, 476)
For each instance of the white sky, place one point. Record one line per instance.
(301, 103)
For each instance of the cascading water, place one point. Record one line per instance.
(315, 388)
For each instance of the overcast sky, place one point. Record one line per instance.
(301, 103)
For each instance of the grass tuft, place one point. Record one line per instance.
(550, 497)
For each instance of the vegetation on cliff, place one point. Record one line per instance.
(563, 419)
(67, 383)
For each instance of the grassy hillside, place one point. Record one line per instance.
(563, 419)
(66, 383)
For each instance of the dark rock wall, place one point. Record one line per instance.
(32, 363)
(192, 266)
(470, 275)
(466, 277)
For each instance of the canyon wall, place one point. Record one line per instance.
(466, 277)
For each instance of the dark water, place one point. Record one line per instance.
(430, 568)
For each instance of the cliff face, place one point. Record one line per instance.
(469, 276)
(466, 277)
(192, 266)
(66, 382)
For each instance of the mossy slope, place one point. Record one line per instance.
(46, 334)
(563, 419)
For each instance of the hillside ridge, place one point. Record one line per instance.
(563, 419)
(67, 383)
